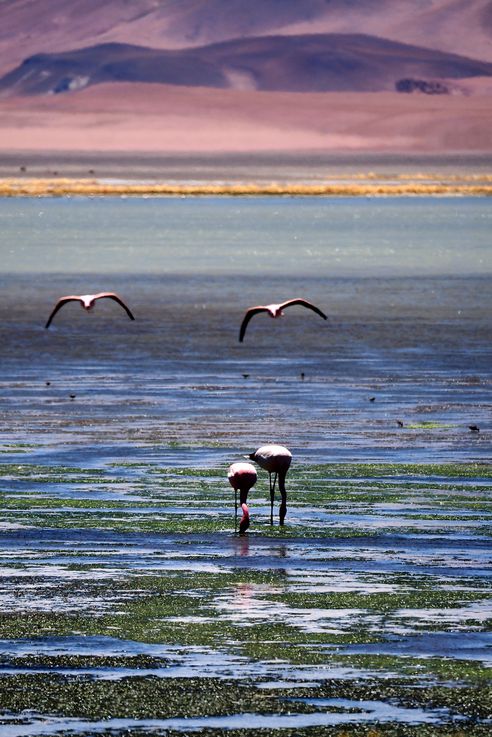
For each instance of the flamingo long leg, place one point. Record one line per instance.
(235, 510)
(283, 508)
(283, 503)
(272, 495)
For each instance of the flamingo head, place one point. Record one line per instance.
(244, 523)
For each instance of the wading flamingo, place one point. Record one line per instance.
(276, 460)
(275, 311)
(242, 476)
(88, 302)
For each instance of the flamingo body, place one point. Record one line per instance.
(242, 476)
(275, 310)
(88, 302)
(275, 459)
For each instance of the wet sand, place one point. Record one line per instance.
(283, 167)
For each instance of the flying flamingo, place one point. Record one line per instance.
(242, 476)
(275, 310)
(276, 460)
(87, 302)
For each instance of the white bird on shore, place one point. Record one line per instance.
(87, 302)
(276, 460)
(275, 310)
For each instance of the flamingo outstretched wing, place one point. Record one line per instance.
(112, 295)
(249, 314)
(304, 303)
(62, 301)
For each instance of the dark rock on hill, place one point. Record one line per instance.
(422, 85)
(304, 63)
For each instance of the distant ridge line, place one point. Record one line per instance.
(295, 63)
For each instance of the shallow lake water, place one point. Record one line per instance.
(123, 585)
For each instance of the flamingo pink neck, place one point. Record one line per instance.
(244, 523)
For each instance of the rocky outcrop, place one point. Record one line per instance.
(431, 87)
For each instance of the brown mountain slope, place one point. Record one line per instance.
(34, 26)
(308, 63)
(157, 118)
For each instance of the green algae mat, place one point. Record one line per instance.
(129, 606)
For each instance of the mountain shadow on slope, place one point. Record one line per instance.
(303, 63)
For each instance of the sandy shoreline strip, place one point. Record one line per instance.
(471, 185)
(55, 173)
